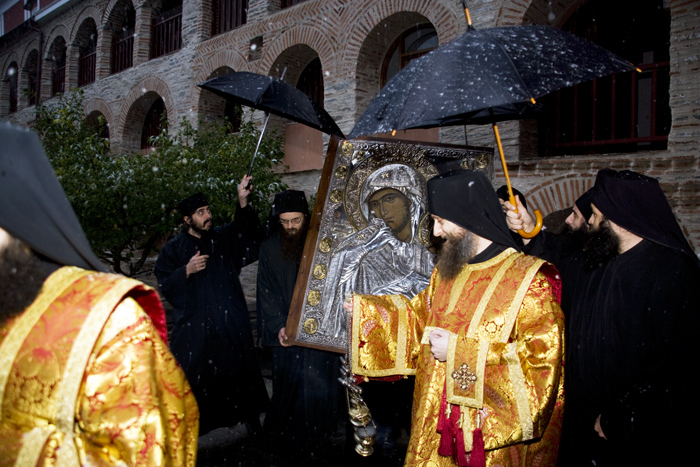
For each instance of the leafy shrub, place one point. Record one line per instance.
(126, 203)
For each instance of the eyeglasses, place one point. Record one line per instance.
(292, 222)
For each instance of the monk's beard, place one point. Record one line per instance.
(21, 278)
(293, 241)
(202, 229)
(575, 239)
(455, 253)
(602, 246)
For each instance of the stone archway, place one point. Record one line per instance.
(558, 193)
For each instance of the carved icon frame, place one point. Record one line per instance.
(338, 211)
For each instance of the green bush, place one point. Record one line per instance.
(126, 203)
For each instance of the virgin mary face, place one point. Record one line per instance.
(394, 209)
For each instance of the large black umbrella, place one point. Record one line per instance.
(272, 95)
(486, 76)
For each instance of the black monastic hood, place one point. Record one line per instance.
(33, 206)
(636, 203)
(466, 198)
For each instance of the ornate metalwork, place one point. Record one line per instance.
(464, 376)
(344, 218)
(310, 326)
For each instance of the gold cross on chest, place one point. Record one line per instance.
(465, 378)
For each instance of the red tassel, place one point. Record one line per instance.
(478, 455)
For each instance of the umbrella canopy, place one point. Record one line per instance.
(272, 95)
(485, 76)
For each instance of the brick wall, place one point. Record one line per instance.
(351, 37)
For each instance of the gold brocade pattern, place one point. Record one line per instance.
(128, 402)
(508, 328)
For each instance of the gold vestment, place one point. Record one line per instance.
(86, 379)
(506, 326)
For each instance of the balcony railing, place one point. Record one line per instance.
(625, 111)
(122, 51)
(86, 73)
(166, 36)
(228, 15)
(58, 80)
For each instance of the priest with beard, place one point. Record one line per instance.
(197, 273)
(484, 339)
(632, 331)
(86, 377)
(305, 392)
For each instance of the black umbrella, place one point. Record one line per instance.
(486, 76)
(272, 95)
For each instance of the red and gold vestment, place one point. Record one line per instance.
(506, 325)
(87, 379)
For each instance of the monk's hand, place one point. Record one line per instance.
(196, 263)
(243, 190)
(282, 336)
(347, 303)
(520, 220)
(598, 428)
(439, 338)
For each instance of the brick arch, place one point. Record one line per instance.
(31, 45)
(108, 10)
(58, 31)
(11, 57)
(448, 22)
(230, 58)
(99, 105)
(88, 12)
(558, 193)
(512, 12)
(146, 85)
(314, 37)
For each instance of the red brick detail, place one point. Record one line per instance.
(100, 105)
(146, 85)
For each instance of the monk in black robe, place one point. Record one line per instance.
(305, 391)
(631, 333)
(197, 273)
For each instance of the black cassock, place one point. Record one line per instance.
(630, 351)
(305, 391)
(211, 336)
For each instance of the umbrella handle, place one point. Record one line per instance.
(511, 197)
(536, 230)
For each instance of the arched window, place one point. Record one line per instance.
(152, 122)
(233, 114)
(31, 70)
(311, 81)
(123, 40)
(98, 122)
(86, 40)
(413, 43)
(57, 56)
(625, 112)
(166, 29)
(11, 78)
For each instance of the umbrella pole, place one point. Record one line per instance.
(262, 132)
(538, 215)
